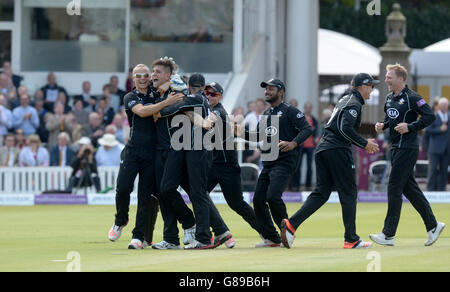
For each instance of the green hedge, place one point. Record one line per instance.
(428, 21)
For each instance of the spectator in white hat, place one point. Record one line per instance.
(108, 154)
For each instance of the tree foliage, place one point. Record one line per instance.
(428, 20)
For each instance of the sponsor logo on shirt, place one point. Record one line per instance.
(271, 131)
(393, 113)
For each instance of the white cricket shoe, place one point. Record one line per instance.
(381, 239)
(433, 234)
(164, 245)
(136, 244)
(115, 232)
(189, 235)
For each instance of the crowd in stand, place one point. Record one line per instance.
(44, 128)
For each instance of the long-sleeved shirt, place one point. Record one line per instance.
(341, 130)
(29, 126)
(406, 108)
(292, 126)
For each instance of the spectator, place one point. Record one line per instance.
(261, 106)
(95, 129)
(22, 89)
(61, 154)
(57, 123)
(16, 79)
(86, 95)
(294, 103)
(62, 98)
(13, 101)
(105, 110)
(108, 154)
(326, 115)
(117, 94)
(81, 116)
(438, 148)
(34, 154)
(251, 119)
(129, 83)
(238, 114)
(25, 116)
(118, 123)
(6, 85)
(84, 167)
(9, 154)
(51, 91)
(20, 139)
(42, 112)
(5, 116)
(308, 147)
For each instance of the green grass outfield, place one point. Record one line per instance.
(39, 238)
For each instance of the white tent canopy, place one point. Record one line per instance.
(442, 46)
(340, 54)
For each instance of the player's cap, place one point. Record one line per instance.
(364, 79)
(216, 87)
(197, 80)
(274, 82)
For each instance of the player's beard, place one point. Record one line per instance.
(271, 99)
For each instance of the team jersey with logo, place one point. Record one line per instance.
(191, 102)
(406, 107)
(341, 131)
(142, 130)
(226, 133)
(292, 126)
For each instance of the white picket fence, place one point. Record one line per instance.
(35, 180)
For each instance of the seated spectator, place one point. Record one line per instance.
(20, 139)
(81, 116)
(5, 117)
(42, 112)
(16, 79)
(251, 119)
(86, 95)
(25, 116)
(34, 154)
(92, 105)
(51, 91)
(6, 85)
(62, 98)
(84, 167)
(94, 130)
(119, 124)
(108, 154)
(116, 94)
(105, 110)
(13, 100)
(61, 154)
(9, 154)
(56, 123)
